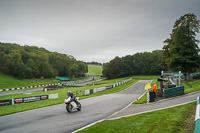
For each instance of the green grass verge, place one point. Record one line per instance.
(5, 110)
(95, 69)
(191, 86)
(172, 120)
(142, 100)
(7, 82)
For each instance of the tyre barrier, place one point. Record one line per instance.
(197, 117)
(33, 86)
(27, 99)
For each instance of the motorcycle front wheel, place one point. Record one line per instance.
(69, 108)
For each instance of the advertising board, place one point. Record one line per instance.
(30, 99)
(109, 87)
(4, 102)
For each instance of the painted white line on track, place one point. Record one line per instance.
(89, 125)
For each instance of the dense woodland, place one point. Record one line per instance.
(33, 62)
(147, 63)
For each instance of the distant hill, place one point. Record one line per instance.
(95, 69)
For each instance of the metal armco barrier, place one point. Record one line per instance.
(175, 91)
(197, 117)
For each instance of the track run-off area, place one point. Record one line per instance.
(56, 119)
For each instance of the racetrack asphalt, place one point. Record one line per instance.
(56, 119)
(20, 91)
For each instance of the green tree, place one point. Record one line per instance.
(74, 70)
(63, 61)
(16, 65)
(31, 69)
(165, 54)
(181, 51)
(142, 63)
(112, 69)
(105, 70)
(82, 68)
(156, 59)
(127, 67)
(46, 70)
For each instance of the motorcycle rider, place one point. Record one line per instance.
(70, 94)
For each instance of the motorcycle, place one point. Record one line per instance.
(71, 105)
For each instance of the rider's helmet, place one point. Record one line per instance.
(69, 92)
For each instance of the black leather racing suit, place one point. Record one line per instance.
(73, 97)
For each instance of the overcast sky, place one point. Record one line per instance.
(92, 30)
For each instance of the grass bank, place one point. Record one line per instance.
(191, 86)
(7, 82)
(177, 119)
(95, 69)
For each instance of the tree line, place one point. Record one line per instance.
(34, 62)
(180, 53)
(146, 63)
(94, 63)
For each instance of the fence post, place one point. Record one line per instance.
(197, 117)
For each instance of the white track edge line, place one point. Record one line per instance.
(88, 125)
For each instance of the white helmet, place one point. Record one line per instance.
(69, 92)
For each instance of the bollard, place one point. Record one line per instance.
(197, 117)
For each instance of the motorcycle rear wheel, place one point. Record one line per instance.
(79, 107)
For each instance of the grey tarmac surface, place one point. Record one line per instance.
(20, 91)
(55, 119)
(158, 105)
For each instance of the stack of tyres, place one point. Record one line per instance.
(151, 96)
